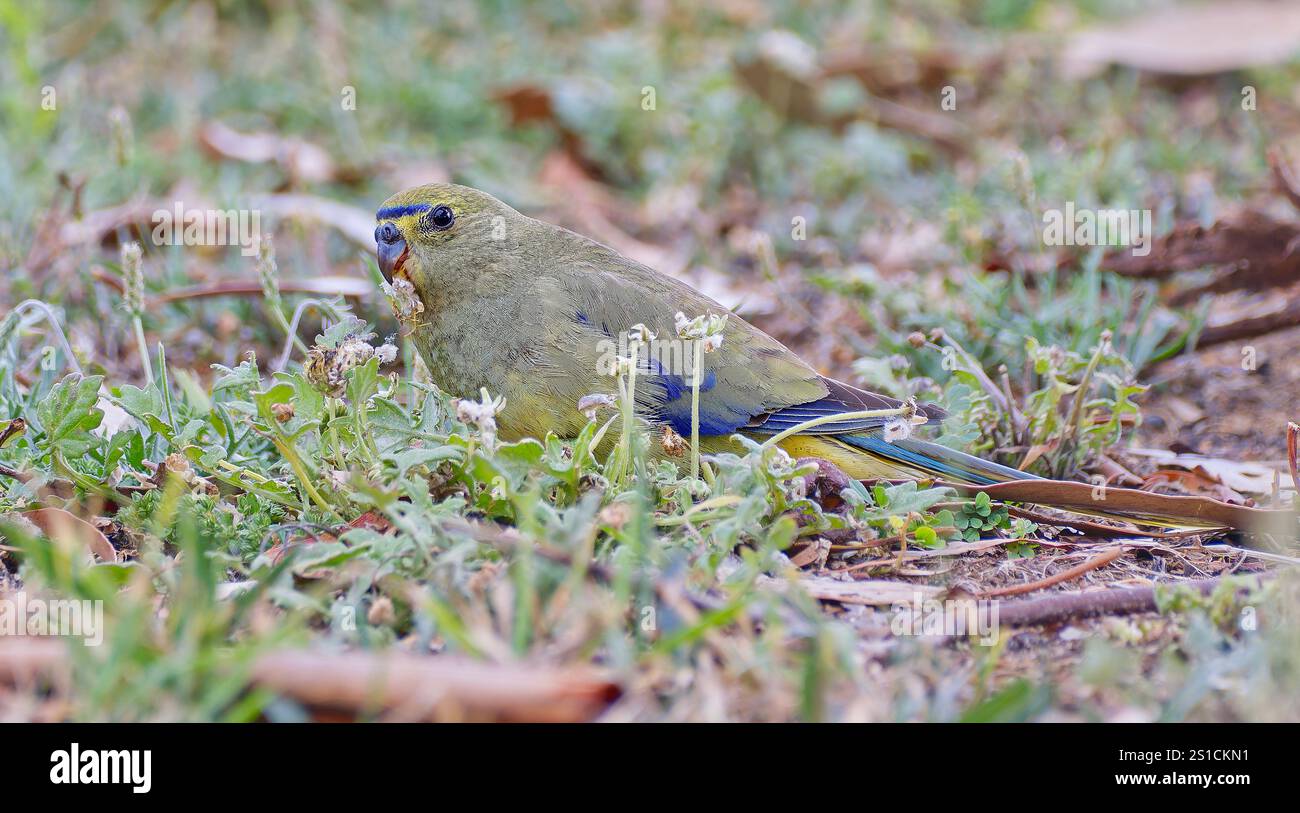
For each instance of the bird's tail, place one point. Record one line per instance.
(936, 460)
(870, 456)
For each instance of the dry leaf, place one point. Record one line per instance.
(1141, 506)
(301, 160)
(57, 522)
(1190, 40)
(1241, 476)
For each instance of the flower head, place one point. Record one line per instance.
(481, 413)
(706, 329)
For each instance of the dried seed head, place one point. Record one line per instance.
(640, 334)
(122, 135)
(674, 444)
(133, 278)
(267, 271)
(175, 465)
(403, 299)
(707, 327)
(381, 612)
(897, 429)
(327, 367)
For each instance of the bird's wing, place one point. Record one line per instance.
(840, 399)
(750, 374)
(752, 382)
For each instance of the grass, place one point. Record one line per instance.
(340, 500)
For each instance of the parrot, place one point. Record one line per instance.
(534, 313)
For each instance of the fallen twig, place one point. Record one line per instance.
(21, 477)
(324, 286)
(1280, 319)
(1103, 558)
(1292, 441)
(400, 686)
(1109, 601)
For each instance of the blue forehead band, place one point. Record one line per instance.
(401, 211)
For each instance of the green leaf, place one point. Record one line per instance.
(242, 379)
(782, 532)
(1017, 702)
(363, 382)
(406, 460)
(141, 403)
(926, 537)
(68, 414)
(347, 326)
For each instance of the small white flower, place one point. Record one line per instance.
(387, 353)
(897, 429)
(482, 414)
(781, 463)
(622, 366)
(707, 328)
(640, 334)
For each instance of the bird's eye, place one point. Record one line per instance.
(441, 217)
(387, 233)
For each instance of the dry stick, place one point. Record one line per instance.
(14, 473)
(240, 288)
(13, 428)
(1115, 600)
(1019, 423)
(1095, 562)
(1292, 441)
(976, 369)
(416, 687)
(1281, 319)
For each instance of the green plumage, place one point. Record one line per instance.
(534, 312)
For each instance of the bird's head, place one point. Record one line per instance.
(439, 229)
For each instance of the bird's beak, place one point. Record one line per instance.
(390, 257)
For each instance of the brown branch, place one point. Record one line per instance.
(358, 684)
(1103, 558)
(1280, 319)
(254, 288)
(1292, 441)
(1110, 601)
